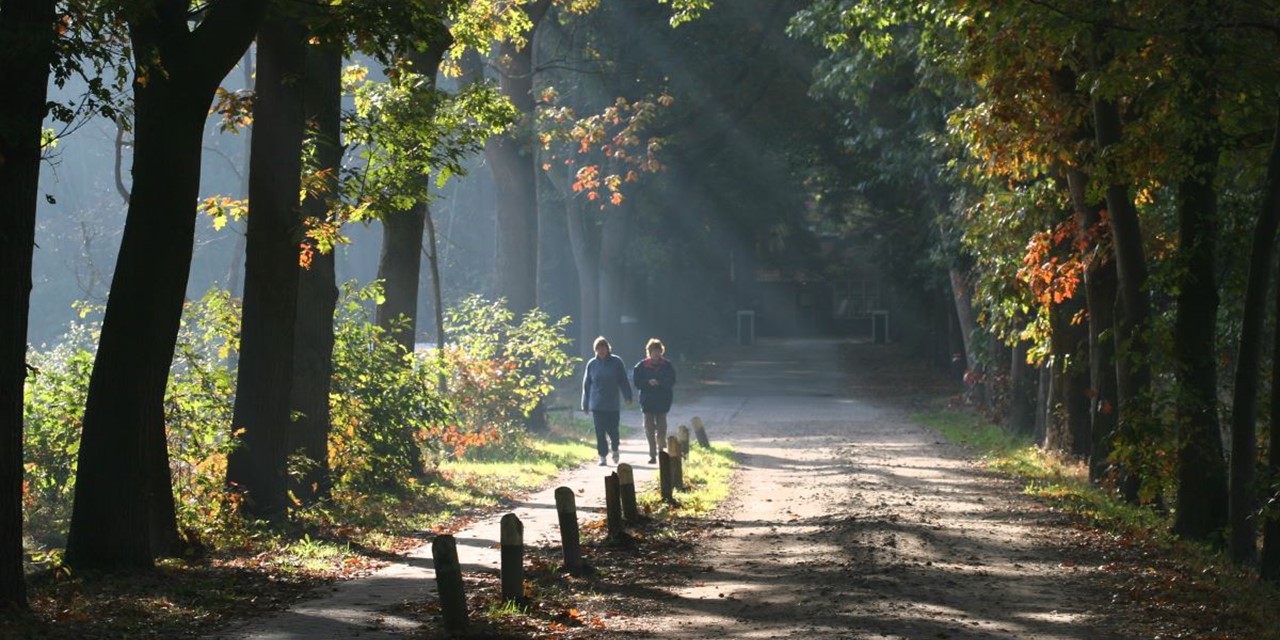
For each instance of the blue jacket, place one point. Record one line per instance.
(654, 398)
(603, 383)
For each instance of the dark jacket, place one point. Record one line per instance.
(602, 383)
(655, 398)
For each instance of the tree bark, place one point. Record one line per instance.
(398, 267)
(1100, 295)
(511, 160)
(1244, 404)
(122, 476)
(26, 52)
(964, 314)
(1023, 379)
(1133, 362)
(1202, 508)
(1070, 347)
(1270, 563)
(258, 464)
(317, 286)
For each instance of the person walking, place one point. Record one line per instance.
(655, 379)
(604, 382)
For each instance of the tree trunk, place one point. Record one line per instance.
(258, 465)
(1100, 295)
(122, 476)
(511, 160)
(1270, 564)
(1023, 379)
(584, 244)
(964, 314)
(1244, 404)
(613, 246)
(317, 286)
(1070, 348)
(1202, 476)
(26, 51)
(398, 267)
(1133, 362)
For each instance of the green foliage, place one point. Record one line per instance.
(53, 407)
(198, 407)
(495, 370)
(384, 411)
(405, 129)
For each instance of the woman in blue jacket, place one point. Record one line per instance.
(655, 378)
(603, 383)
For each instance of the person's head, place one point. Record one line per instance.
(654, 348)
(601, 347)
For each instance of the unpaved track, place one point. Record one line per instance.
(851, 521)
(848, 521)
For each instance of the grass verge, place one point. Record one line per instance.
(251, 569)
(1185, 590)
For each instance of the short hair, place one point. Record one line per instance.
(652, 343)
(599, 343)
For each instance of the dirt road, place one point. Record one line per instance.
(851, 521)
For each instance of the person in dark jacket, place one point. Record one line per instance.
(604, 382)
(655, 378)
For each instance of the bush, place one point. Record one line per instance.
(494, 371)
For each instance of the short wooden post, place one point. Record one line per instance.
(700, 432)
(677, 463)
(512, 570)
(453, 600)
(627, 491)
(664, 475)
(682, 434)
(612, 506)
(567, 511)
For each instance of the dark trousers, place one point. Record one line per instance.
(606, 426)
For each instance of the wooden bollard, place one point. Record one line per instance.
(700, 432)
(567, 511)
(612, 506)
(453, 600)
(512, 558)
(664, 475)
(677, 463)
(682, 434)
(627, 493)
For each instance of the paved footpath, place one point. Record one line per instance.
(357, 608)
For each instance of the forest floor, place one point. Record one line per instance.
(851, 520)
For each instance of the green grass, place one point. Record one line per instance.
(1188, 588)
(707, 473)
(1062, 482)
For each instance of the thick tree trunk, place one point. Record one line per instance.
(317, 286)
(1100, 295)
(1202, 487)
(122, 476)
(258, 465)
(26, 50)
(584, 244)
(398, 267)
(1244, 405)
(1023, 379)
(1070, 347)
(1270, 564)
(1133, 362)
(613, 246)
(511, 160)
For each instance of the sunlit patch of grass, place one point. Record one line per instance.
(707, 473)
(311, 555)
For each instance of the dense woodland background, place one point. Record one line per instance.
(230, 230)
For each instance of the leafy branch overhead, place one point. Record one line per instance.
(603, 151)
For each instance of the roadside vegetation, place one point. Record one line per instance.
(1182, 584)
(420, 442)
